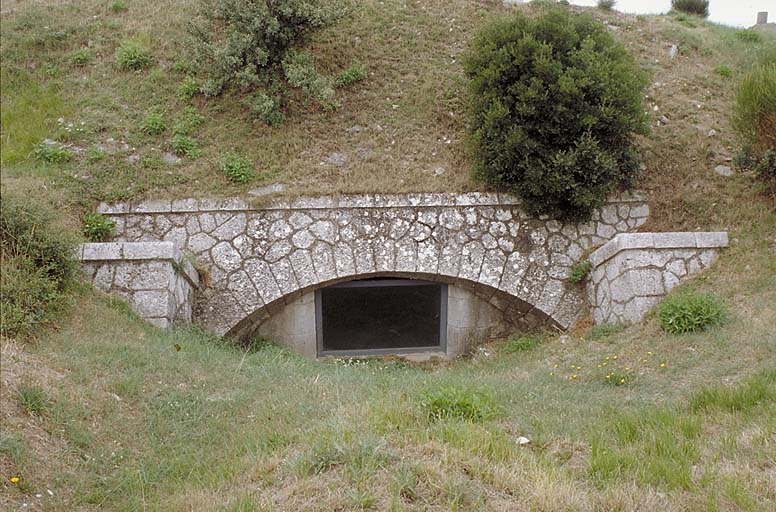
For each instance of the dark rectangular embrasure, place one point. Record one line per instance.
(381, 316)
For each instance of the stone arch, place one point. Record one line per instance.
(517, 312)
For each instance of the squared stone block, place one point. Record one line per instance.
(712, 239)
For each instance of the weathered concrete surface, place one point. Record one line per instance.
(154, 277)
(632, 272)
(470, 320)
(260, 259)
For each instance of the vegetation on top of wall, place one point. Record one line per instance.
(555, 102)
(251, 46)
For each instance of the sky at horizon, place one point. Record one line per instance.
(737, 13)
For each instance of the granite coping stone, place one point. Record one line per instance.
(137, 251)
(421, 200)
(669, 240)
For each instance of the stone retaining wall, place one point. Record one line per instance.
(261, 258)
(153, 277)
(632, 272)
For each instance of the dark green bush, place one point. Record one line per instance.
(455, 402)
(696, 7)
(686, 312)
(255, 44)
(97, 228)
(37, 265)
(749, 36)
(555, 100)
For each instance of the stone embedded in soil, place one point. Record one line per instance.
(712, 133)
(337, 159)
(133, 159)
(673, 51)
(267, 190)
(169, 158)
(723, 170)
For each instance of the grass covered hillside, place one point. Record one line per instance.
(101, 411)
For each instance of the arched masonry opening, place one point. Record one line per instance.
(432, 273)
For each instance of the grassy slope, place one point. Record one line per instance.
(131, 423)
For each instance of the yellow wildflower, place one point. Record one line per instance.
(14, 480)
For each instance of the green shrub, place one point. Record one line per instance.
(248, 44)
(118, 6)
(686, 312)
(132, 56)
(723, 70)
(606, 5)
(555, 100)
(37, 265)
(188, 122)
(153, 124)
(579, 271)
(695, 7)
(97, 228)
(455, 402)
(267, 109)
(81, 57)
(183, 145)
(237, 168)
(52, 153)
(520, 344)
(755, 108)
(749, 36)
(188, 88)
(766, 166)
(354, 73)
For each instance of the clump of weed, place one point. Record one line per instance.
(97, 227)
(188, 88)
(153, 124)
(356, 72)
(694, 7)
(33, 399)
(520, 344)
(237, 168)
(132, 56)
(760, 388)
(687, 311)
(604, 330)
(183, 145)
(52, 153)
(118, 6)
(94, 155)
(606, 5)
(81, 57)
(580, 271)
(616, 379)
(267, 108)
(755, 108)
(749, 36)
(723, 70)
(188, 122)
(456, 402)
(182, 66)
